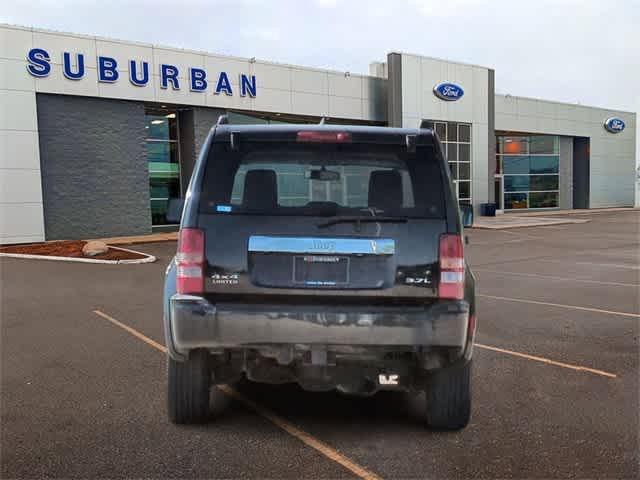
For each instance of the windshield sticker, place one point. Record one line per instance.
(223, 208)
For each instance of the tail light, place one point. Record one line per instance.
(324, 137)
(190, 261)
(451, 267)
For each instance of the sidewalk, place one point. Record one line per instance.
(512, 221)
(153, 237)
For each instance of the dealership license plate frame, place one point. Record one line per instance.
(303, 266)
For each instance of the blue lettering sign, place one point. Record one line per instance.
(67, 67)
(247, 85)
(223, 84)
(198, 82)
(107, 70)
(39, 65)
(169, 73)
(449, 92)
(133, 73)
(74, 68)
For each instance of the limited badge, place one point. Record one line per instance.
(225, 279)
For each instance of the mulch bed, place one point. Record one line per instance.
(68, 248)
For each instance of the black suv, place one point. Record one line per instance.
(326, 255)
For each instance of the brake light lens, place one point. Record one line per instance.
(190, 261)
(451, 267)
(324, 137)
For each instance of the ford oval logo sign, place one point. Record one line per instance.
(614, 124)
(448, 91)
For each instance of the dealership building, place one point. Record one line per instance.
(98, 136)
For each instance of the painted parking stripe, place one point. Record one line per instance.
(548, 361)
(560, 305)
(304, 437)
(551, 277)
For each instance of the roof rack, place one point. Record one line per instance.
(323, 120)
(223, 120)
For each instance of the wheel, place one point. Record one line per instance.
(188, 388)
(449, 398)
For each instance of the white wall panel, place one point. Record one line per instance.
(20, 186)
(14, 76)
(345, 86)
(15, 42)
(272, 76)
(56, 82)
(310, 81)
(345, 107)
(18, 110)
(21, 223)
(310, 104)
(19, 149)
(56, 44)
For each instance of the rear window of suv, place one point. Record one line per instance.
(270, 178)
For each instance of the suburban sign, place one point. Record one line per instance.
(109, 71)
(448, 91)
(614, 124)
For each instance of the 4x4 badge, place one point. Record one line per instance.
(225, 279)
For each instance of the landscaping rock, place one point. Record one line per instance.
(94, 247)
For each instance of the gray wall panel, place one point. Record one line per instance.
(95, 178)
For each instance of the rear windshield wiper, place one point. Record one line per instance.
(361, 219)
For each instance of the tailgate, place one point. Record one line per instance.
(253, 255)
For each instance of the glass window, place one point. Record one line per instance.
(464, 189)
(513, 165)
(464, 133)
(543, 200)
(464, 152)
(515, 201)
(452, 152)
(161, 130)
(530, 166)
(544, 164)
(513, 145)
(516, 183)
(539, 144)
(543, 182)
(464, 171)
(455, 139)
(414, 187)
(452, 132)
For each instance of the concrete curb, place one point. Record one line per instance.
(147, 259)
(532, 224)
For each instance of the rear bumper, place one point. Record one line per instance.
(194, 322)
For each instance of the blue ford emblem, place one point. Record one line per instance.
(448, 91)
(614, 124)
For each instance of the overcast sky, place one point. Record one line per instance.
(583, 51)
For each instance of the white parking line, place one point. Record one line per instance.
(554, 278)
(560, 305)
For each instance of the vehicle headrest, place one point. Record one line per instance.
(260, 190)
(385, 189)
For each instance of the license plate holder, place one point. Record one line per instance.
(321, 270)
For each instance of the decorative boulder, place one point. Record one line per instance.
(94, 247)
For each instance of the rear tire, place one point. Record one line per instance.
(188, 388)
(449, 398)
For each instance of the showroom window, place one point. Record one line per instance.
(161, 128)
(530, 171)
(456, 143)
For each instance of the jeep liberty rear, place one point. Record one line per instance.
(326, 255)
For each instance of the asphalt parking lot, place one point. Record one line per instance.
(555, 380)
